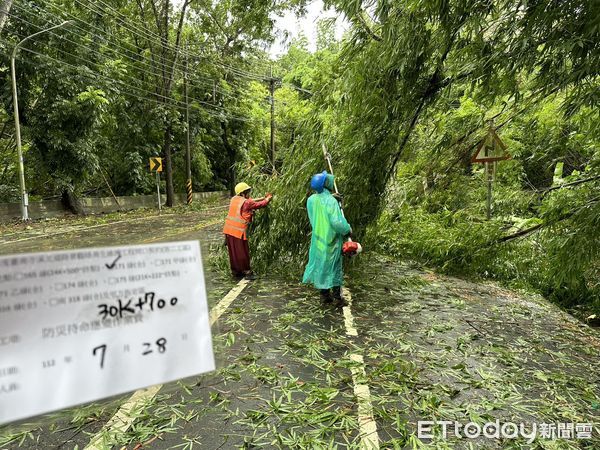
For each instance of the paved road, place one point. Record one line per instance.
(290, 373)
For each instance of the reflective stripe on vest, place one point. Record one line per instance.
(235, 225)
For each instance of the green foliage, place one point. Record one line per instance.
(401, 104)
(449, 240)
(97, 99)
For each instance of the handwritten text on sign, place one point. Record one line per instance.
(77, 326)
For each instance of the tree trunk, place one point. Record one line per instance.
(231, 153)
(72, 203)
(4, 10)
(168, 167)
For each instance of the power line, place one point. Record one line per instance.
(71, 16)
(221, 91)
(170, 101)
(135, 60)
(156, 36)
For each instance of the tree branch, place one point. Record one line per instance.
(433, 86)
(365, 26)
(178, 39)
(4, 10)
(520, 233)
(573, 183)
(534, 228)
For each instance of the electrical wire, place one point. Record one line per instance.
(153, 74)
(97, 62)
(136, 60)
(126, 25)
(159, 100)
(154, 36)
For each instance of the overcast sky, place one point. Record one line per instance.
(306, 24)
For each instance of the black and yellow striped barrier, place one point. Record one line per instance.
(188, 186)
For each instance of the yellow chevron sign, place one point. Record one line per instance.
(155, 164)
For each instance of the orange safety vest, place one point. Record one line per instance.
(235, 224)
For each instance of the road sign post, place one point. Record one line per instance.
(489, 152)
(158, 190)
(156, 166)
(488, 169)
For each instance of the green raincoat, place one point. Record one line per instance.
(324, 269)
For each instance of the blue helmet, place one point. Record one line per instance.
(317, 182)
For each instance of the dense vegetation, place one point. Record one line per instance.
(401, 103)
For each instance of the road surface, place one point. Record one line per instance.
(413, 346)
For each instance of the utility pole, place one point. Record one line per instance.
(188, 154)
(13, 73)
(272, 91)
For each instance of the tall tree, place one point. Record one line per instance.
(166, 54)
(4, 10)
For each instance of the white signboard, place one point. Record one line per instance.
(78, 326)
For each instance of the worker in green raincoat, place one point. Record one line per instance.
(324, 269)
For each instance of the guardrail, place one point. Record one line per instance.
(97, 205)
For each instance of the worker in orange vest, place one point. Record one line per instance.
(241, 211)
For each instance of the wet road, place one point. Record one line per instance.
(434, 348)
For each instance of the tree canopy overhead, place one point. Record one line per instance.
(401, 103)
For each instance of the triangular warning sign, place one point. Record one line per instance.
(491, 149)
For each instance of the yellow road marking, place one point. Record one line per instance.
(348, 317)
(73, 230)
(125, 416)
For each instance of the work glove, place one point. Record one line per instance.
(339, 197)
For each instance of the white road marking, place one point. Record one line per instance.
(75, 228)
(369, 438)
(125, 416)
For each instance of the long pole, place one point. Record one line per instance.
(272, 91)
(158, 190)
(21, 166)
(328, 159)
(489, 167)
(489, 190)
(188, 154)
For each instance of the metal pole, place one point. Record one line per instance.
(489, 190)
(158, 190)
(272, 90)
(188, 154)
(13, 74)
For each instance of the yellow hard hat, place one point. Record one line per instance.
(241, 187)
